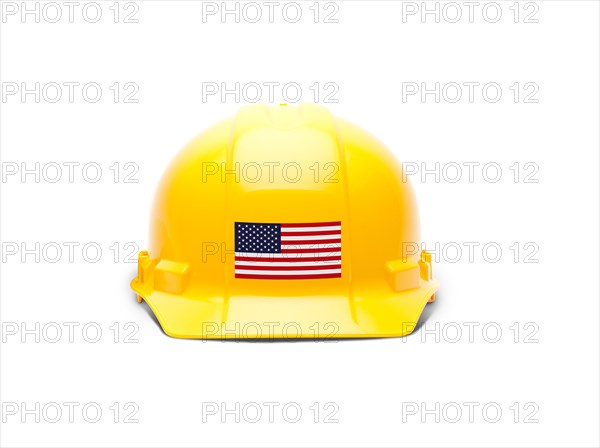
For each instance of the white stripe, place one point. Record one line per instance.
(266, 256)
(309, 237)
(287, 263)
(332, 246)
(310, 272)
(312, 248)
(309, 229)
(296, 245)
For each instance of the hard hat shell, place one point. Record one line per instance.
(272, 178)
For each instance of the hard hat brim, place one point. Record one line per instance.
(315, 317)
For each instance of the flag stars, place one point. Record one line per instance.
(257, 238)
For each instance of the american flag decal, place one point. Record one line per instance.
(288, 251)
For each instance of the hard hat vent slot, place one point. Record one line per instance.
(171, 276)
(402, 275)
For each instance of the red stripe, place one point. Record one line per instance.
(322, 232)
(287, 277)
(312, 224)
(290, 259)
(306, 251)
(315, 242)
(289, 268)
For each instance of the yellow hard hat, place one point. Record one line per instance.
(285, 222)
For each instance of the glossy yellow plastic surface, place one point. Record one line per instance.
(284, 164)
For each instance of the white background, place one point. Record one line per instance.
(369, 54)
